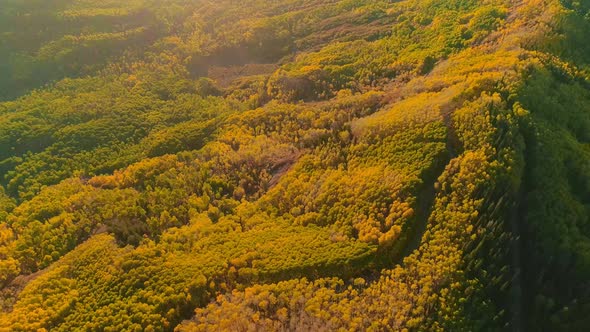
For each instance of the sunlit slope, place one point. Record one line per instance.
(46, 41)
(304, 165)
(150, 97)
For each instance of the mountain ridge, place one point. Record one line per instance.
(285, 200)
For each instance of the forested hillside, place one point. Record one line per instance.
(305, 165)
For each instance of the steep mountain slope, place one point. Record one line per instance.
(295, 165)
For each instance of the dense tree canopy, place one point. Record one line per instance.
(253, 165)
